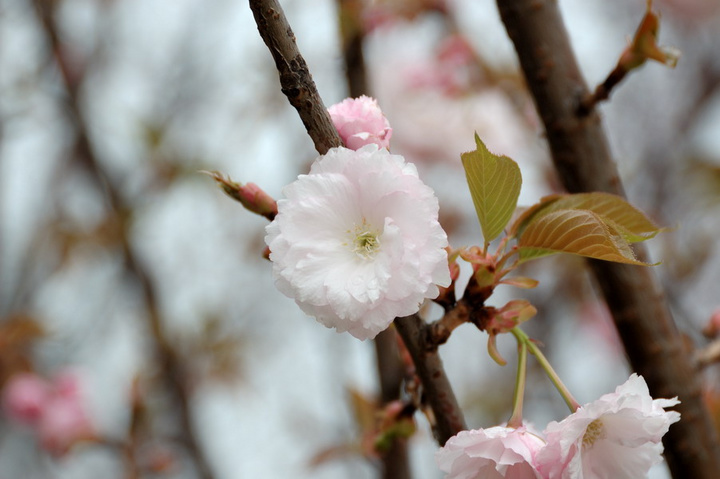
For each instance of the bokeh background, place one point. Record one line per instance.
(124, 267)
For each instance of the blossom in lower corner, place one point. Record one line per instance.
(357, 242)
(360, 122)
(615, 437)
(494, 453)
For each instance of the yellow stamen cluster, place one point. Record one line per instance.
(365, 242)
(594, 432)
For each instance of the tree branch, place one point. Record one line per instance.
(449, 419)
(582, 157)
(298, 86)
(295, 79)
(169, 361)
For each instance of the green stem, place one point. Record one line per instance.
(516, 418)
(545, 364)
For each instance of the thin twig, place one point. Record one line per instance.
(169, 361)
(582, 157)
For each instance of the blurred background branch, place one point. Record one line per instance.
(173, 373)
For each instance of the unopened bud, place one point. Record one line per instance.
(256, 200)
(250, 195)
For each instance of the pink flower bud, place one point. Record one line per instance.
(24, 397)
(360, 122)
(256, 200)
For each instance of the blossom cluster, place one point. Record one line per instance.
(618, 436)
(53, 410)
(356, 242)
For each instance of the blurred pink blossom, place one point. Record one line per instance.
(54, 410)
(24, 397)
(494, 453)
(712, 328)
(63, 423)
(360, 122)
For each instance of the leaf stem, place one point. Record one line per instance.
(545, 364)
(515, 420)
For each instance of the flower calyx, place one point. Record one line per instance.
(504, 320)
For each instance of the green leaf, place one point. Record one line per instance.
(632, 223)
(580, 232)
(494, 183)
(531, 213)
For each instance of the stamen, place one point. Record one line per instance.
(594, 432)
(366, 242)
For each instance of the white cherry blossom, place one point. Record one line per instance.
(615, 437)
(356, 242)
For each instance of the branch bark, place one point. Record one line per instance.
(295, 79)
(582, 157)
(297, 84)
(449, 419)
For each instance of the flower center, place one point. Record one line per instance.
(365, 241)
(594, 432)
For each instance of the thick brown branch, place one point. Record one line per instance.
(295, 79)
(582, 157)
(449, 419)
(170, 363)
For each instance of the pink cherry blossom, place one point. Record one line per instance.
(24, 397)
(55, 410)
(64, 422)
(357, 241)
(494, 453)
(615, 437)
(360, 122)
